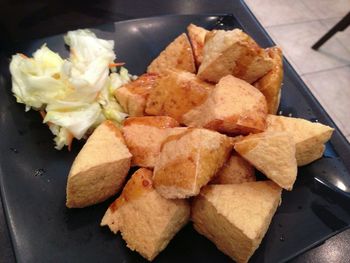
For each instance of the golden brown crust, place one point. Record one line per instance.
(177, 55)
(250, 50)
(176, 137)
(233, 107)
(100, 168)
(308, 136)
(134, 189)
(179, 173)
(161, 122)
(272, 153)
(234, 140)
(146, 220)
(233, 52)
(236, 214)
(270, 85)
(114, 128)
(188, 161)
(132, 96)
(143, 84)
(197, 36)
(144, 136)
(309, 155)
(235, 171)
(177, 93)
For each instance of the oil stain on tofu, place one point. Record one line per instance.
(197, 36)
(233, 53)
(133, 96)
(176, 93)
(233, 107)
(189, 161)
(145, 135)
(146, 220)
(177, 55)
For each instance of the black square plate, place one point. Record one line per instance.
(33, 174)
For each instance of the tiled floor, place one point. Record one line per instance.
(296, 26)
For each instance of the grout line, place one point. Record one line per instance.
(308, 8)
(315, 13)
(293, 23)
(300, 22)
(324, 70)
(322, 20)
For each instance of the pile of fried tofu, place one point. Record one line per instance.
(201, 121)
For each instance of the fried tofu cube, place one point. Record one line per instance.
(197, 35)
(270, 85)
(177, 55)
(177, 93)
(307, 156)
(146, 220)
(272, 153)
(309, 137)
(188, 161)
(233, 53)
(99, 170)
(236, 139)
(233, 107)
(145, 135)
(235, 171)
(132, 96)
(236, 217)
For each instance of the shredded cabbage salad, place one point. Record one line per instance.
(74, 95)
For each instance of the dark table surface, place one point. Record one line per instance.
(23, 20)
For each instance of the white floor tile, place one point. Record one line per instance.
(277, 12)
(296, 41)
(332, 89)
(328, 8)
